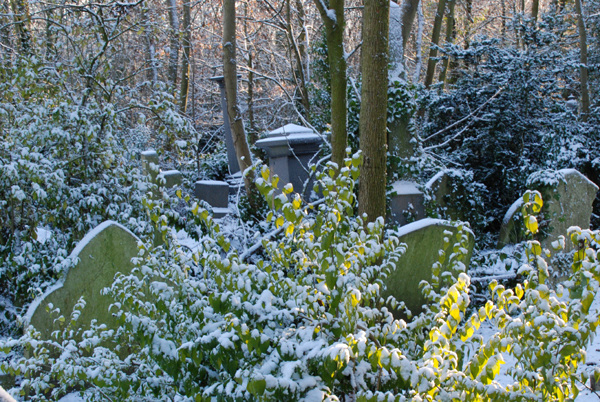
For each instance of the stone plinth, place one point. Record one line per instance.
(424, 240)
(407, 203)
(291, 149)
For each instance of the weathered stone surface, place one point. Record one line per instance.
(170, 178)
(568, 197)
(291, 149)
(102, 253)
(5, 397)
(407, 203)
(424, 240)
(215, 193)
(150, 164)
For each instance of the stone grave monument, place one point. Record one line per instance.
(568, 200)
(150, 166)
(216, 194)
(424, 240)
(291, 149)
(102, 253)
(407, 203)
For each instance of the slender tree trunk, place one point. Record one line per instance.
(152, 71)
(419, 44)
(469, 21)
(230, 77)
(535, 7)
(435, 41)
(449, 39)
(294, 45)
(252, 134)
(333, 19)
(173, 42)
(22, 20)
(583, 69)
(185, 62)
(408, 11)
(373, 113)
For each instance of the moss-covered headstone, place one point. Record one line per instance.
(424, 240)
(568, 197)
(102, 253)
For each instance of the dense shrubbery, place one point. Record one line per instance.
(308, 322)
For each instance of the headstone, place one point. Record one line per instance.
(150, 164)
(407, 203)
(453, 194)
(424, 240)
(102, 253)
(291, 149)
(216, 194)
(170, 178)
(231, 155)
(5, 397)
(568, 197)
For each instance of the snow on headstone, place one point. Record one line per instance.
(407, 203)
(102, 253)
(5, 397)
(568, 197)
(424, 240)
(150, 163)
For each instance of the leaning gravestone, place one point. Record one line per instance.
(5, 397)
(424, 240)
(102, 253)
(568, 197)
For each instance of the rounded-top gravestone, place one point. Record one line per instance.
(102, 253)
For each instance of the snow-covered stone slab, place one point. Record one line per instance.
(215, 193)
(150, 164)
(424, 240)
(407, 202)
(5, 397)
(568, 197)
(103, 252)
(170, 178)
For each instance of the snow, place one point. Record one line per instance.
(512, 210)
(213, 182)
(420, 224)
(290, 129)
(405, 188)
(149, 152)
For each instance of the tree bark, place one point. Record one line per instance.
(333, 19)
(152, 70)
(185, 62)
(173, 42)
(22, 19)
(449, 39)
(583, 69)
(435, 41)
(373, 113)
(238, 134)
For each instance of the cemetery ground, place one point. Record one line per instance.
(422, 263)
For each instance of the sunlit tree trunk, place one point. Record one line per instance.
(185, 62)
(583, 68)
(449, 39)
(373, 113)
(238, 134)
(332, 14)
(435, 41)
(22, 20)
(173, 42)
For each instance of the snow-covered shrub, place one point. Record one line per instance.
(307, 322)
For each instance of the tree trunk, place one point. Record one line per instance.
(295, 50)
(173, 42)
(230, 78)
(583, 69)
(449, 40)
(469, 21)
(435, 41)
(535, 7)
(333, 19)
(185, 62)
(22, 19)
(408, 11)
(373, 113)
(152, 71)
